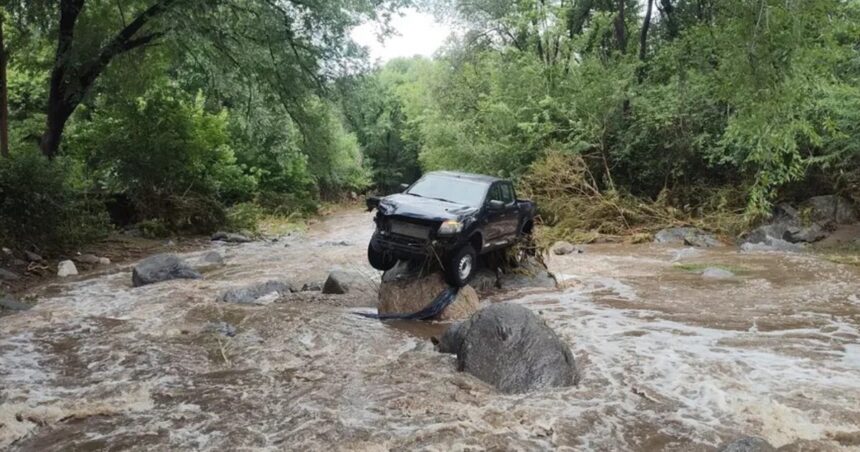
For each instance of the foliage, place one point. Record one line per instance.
(45, 206)
(244, 217)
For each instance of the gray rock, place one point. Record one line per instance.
(6, 251)
(6, 275)
(530, 274)
(686, 236)
(254, 293)
(811, 234)
(20, 263)
(407, 288)
(511, 348)
(562, 248)
(88, 259)
(341, 282)
(32, 257)
(831, 210)
(717, 273)
(161, 267)
(311, 287)
(104, 261)
(213, 258)
(222, 328)
(66, 268)
(748, 444)
(231, 237)
(10, 304)
(772, 244)
(452, 339)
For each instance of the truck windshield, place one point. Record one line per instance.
(450, 189)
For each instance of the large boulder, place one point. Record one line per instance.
(406, 289)
(686, 236)
(341, 282)
(452, 339)
(161, 267)
(10, 304)
(562, 248)
(831, 210)
(748, 444)
(259, 293)
(511, 348)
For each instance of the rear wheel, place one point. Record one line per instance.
(460, 266)
(380, 260)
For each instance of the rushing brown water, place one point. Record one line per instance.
(669, 360)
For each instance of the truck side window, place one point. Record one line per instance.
(507, 193)
(494, 194)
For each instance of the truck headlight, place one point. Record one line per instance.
(450, 227)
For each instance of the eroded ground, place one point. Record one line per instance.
(670, 361)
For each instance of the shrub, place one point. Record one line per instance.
(244, 217)
(43, 206)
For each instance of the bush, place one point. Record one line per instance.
(169, 155)
(44, 207)
(244, 217)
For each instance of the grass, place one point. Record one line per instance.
(702, 266)
(845, 259)
(281, 225)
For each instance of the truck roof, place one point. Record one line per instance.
(467, 176)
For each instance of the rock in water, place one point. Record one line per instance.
(748, 444)
(66, 268)
(340, 282)
(562, 248)
(831, 210)
(511, 348)
(452, 339)
(89, 259)
(10, 304)
(406, 290)
(161, 267)
(254, 294)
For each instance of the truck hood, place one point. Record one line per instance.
(422, 208)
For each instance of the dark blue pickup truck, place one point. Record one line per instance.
(452, 216)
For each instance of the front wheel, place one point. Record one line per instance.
(380, 260)
(460, 266)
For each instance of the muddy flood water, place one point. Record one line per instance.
(669, 360)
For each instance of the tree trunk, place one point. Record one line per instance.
(668, 11)
(621, 28)
(4, 94)
(72, 80)
(643, 36)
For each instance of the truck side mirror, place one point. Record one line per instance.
(403, 187)
(372, 202)
(495, 204)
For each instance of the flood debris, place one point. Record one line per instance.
(161, 267)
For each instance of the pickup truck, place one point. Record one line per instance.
(451, 217)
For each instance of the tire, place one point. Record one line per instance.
(460, 266)
(380, 260)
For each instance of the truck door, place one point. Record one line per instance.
(493, 230)
(511, 216)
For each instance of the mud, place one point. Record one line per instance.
(669, 360)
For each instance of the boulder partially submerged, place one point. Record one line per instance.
(341, 282)
(511, 348)
(686, 236)
(407, 288)
(161, 267)
(529, 274)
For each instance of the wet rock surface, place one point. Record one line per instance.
(529, 275)
(66, 268)
(6, 275)
(9, 303)
(161, 267)
(407, 288)
(511, 348)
